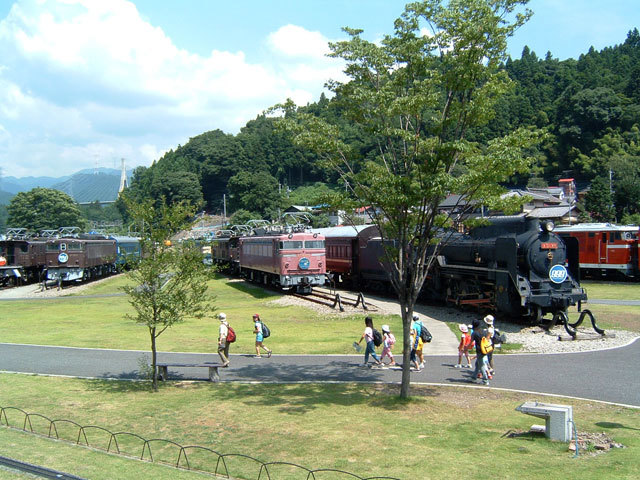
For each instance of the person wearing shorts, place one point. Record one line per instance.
(257, 323)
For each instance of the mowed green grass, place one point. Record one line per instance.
(622, 317)
(365, 430)
(100, 322)
(612, 290)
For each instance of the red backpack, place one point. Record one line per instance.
(231, 335)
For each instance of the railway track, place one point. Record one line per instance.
(338, 300)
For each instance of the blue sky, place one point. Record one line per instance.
(88, 82)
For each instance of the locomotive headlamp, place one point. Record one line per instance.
(549, 226)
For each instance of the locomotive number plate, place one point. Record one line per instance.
(548, 245)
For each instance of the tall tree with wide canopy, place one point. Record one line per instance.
(418, 93)
(44, 209)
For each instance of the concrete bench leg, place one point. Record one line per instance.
(213, 374)
(163, 372)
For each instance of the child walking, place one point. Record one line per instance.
(486, 347)
(257, 329)
(368, 337)
(388, 341)
(464, 347)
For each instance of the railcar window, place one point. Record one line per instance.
(592, 234)
(24, 248)
(52, 247)
(314, 244)
(291, 245)
(74, 246)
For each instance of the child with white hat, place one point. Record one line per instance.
(464, 347)
(388, 341)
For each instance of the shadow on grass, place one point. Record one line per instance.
(615, 425)
(277, 385)
(254, 290)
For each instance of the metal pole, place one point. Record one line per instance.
(224, 207)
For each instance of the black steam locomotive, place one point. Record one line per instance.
(515, 266)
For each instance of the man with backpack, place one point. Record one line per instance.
(226, 336)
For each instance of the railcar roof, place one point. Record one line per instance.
(596, 227)
(124, 238)
(350, 231)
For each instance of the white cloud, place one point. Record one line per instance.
(80, 78)
(294, 41)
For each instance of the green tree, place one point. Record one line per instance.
(177, 187)
(599, 201)
(418, 94)
(242, 216)
(255, 192)
(169, 283)
(537, 182)
(3, 217)
(44, 209)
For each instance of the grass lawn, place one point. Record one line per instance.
(612, 290)
(100, 322)
(365, 430)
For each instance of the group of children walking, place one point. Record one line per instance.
(482, 337)
(388, 340)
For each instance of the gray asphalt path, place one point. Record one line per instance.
(628, 303)
(607, 375)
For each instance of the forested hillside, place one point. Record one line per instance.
(590, 108)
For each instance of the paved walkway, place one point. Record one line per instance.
(602, 375)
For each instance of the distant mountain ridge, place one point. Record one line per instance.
(83, 187)
(87, 185)
(5, 197)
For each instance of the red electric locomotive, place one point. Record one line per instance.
(293, 260)
(606, 250)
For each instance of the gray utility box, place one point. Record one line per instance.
(558, 418)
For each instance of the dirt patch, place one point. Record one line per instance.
(589, 444)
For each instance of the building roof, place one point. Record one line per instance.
(550, 212)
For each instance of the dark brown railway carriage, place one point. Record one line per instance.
(71, 259)
(22, 261)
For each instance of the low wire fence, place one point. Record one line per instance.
(158, 450)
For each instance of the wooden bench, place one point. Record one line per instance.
(163, 369)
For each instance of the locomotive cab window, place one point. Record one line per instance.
(314, 244)
(52, 247)
(73, 246)
(24, 248)
(290, 245)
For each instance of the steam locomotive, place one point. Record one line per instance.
(515, 266)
